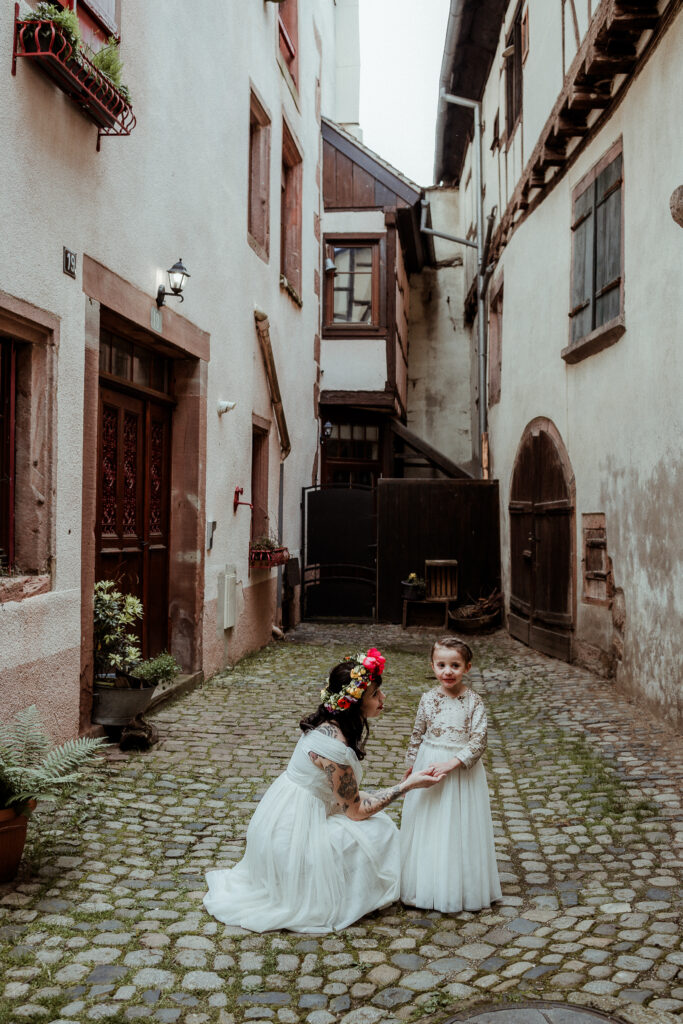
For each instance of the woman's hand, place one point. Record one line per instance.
(422, 780)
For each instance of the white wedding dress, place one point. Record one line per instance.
(308, 867)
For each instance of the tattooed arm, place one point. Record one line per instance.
(358, 805)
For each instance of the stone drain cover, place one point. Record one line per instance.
(536, 1012)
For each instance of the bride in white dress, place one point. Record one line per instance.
(320, 852)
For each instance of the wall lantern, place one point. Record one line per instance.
(326, 432)
(330, 267)
(176, 279)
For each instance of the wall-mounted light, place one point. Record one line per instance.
(326, 432)
(176, 279)
(330, 266)
(224, 407)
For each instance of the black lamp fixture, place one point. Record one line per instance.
(326, 432)
(176, 279)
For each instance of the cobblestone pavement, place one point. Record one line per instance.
(106, 919)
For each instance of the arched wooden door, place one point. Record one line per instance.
(541, 550)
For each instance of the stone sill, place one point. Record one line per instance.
(594, 342)
(18, 588)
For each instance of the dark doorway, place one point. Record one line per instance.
(132, 526)
(339, 552)
(541, 560)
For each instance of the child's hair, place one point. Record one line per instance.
(453, 643)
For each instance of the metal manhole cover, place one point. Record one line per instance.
(536, 1012)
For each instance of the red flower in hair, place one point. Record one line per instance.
(343, 703)
(378, 659)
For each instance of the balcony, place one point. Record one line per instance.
(87, 87)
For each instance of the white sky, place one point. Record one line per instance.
(401, 46)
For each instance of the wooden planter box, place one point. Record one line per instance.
(92, 92)
(265, 558)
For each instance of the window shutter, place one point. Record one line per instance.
(608, 243)
(582, 265)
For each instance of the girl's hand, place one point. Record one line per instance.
(443, 768)
(407, 773)
(422, 780)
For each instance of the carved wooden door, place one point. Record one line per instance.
(541, 570)
(132, 531)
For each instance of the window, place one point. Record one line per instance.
(7, 452)
(134, 363)
(258, 214)
(596, 313)
(495, 343)
(290, 215)
(351, 454)
(259, 482)
(597, 574)
(352, 290)
(513, 74)
(524, 34)
(98, 20)
(289, 36)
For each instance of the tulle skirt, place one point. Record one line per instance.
(448, 856)
(305, 870)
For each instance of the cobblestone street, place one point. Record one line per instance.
(106, 919)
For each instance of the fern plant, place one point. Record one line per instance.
(108, 60)
(31, 766)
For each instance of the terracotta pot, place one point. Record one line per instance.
(12, 840)
(116, 706)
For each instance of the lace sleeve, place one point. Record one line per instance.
(417, 733)
(478, 733)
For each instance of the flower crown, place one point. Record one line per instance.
(365, 667)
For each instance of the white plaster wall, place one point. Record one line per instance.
(176, 187)
(619, 412)
(353, 364)
(439, 346)
(348, 62)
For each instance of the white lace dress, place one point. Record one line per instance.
(308, 867)
(448, 857)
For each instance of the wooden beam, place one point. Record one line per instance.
(263, 332)
(431, 454)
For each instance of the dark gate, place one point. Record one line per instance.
(339, 548)
(132, 532)
(541, 513)
(421, 519)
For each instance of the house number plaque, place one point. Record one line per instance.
(70, 261)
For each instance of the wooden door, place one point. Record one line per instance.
(541, 567)
(132, 531)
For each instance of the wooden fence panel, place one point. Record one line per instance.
(419, 519)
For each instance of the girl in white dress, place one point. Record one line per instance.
(320, 853)
(448, 857)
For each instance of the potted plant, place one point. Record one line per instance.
(161, 669)
(412, 587)
(53, 29)
(29, 767)
(118, 694)
(265, 552)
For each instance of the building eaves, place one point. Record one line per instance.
(472, 36)
(397, 182)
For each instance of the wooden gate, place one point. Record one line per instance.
(541, 550)
(132, 531)
(339, 549)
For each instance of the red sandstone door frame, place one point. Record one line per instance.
(110, 299)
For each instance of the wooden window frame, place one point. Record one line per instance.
(288, 37)
(514, 77)
(524, 34)
(355, 330)
(606, 334)
(495, 361)
(96, 25)
(260, 468)
(291, 202)
(258, 204)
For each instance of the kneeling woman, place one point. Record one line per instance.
(320, 852)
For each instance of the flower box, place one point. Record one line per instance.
(92, 91)
(265, 558)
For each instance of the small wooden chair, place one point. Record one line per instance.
(441, 579)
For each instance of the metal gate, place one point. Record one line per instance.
(339, 547)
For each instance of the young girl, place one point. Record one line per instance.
(448, 858)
